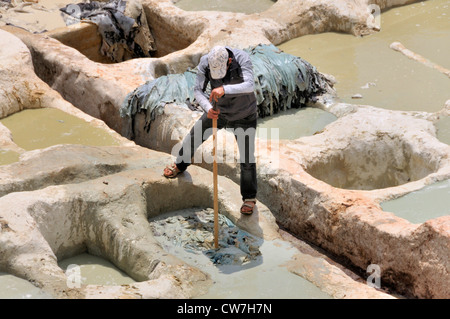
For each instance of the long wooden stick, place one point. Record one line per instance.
(216, 191)
(397, 46)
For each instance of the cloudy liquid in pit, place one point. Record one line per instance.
(383, 77)
(8, 157)
(294, 123)
(38, 17)
(243, 6)
(40, 128)
(95, 270)
(12, 287)
(417, 207)
(443, 129)
(264, 276)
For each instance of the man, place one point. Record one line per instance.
(230, 75)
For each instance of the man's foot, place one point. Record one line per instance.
(248, 206)
(171, 171)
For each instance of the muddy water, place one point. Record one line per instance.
(40, 128)
(386, 78)
(430, 202)
(38, 17)
(12, 287)
(97, 271)
(294, 123)
(8, 157)
(244, 6)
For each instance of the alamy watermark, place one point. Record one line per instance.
(374, 280)
(265, 147)
(73, 274)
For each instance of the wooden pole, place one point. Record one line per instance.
(397, 46)
(216, 190)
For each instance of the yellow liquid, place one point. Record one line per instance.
(386, 78)
(40, 128)
(8, 157)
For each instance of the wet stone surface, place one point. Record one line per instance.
(193, 230)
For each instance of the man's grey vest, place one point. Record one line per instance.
(232, 106)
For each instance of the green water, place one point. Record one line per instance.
(40, 128)
(386, 78)
(96, 271)
(443, 129)
(244, 6)
(93, 270)
(294, 123)
(417, 207)
(12, 287)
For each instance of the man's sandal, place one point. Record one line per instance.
(248, 206)
(171, 171)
